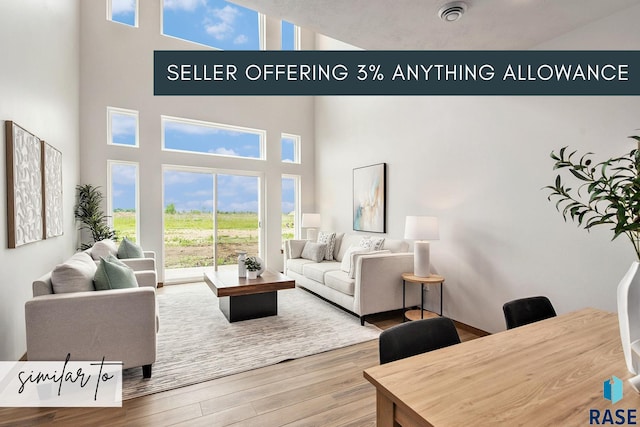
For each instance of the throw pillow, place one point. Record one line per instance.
(74, 275)
(372, 243)
(328, 239)
(103, 248)
(314, 251)
(128, 249)
(347, 259)
(114, 275)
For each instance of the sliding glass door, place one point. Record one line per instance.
(208, 217)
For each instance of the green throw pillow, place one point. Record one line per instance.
(114, 275)
(128, 249)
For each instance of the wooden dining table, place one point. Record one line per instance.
(548, 373)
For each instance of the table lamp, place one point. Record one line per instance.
(421, 229)
(311, 221)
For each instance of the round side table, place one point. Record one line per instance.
(434, 279)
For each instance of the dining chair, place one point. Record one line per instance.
(523, 311)
(416, 337)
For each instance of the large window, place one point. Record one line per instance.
(123, 11)
(211, 138)
(290, 207)
(123, 198)
(122, 127)
(216, 23)
(290, 148)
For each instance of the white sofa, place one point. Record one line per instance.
(376, 285)
(118, 324)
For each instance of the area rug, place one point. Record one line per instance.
(196, 343)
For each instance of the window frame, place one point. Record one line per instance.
(297, 229)
(297, 147)
(110, 164)
(127, 112)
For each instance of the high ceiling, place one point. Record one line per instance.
(414, 24)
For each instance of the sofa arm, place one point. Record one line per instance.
(379, 283)
(140, 264)
(293, 248)
(146, 278)
(119, 325)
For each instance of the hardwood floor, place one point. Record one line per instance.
(325, 389)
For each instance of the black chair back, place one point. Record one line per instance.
(419, 336)
(527, 310)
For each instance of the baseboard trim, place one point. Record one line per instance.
(471, 329)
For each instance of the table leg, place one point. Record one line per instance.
(404, 307)
(384, 411)
(441, 299)
(422, 300)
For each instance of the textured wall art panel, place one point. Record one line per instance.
(24, 186)
(52, 179)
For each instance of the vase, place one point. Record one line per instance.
(252, 274)
(629, 317)
(242, 269)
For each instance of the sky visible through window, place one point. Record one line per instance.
(123, 129)
(124, 11)
(288, 36)
(123, 186)
(193, 191)
(215, 23)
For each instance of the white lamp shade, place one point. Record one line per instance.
(311, 220)
(421, 228)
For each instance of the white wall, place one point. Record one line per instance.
(479, 163)
(39, 80)
(117, 71)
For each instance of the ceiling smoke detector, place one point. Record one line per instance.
(451, 12)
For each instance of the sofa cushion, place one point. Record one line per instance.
(328, 239)
(316, 271)
(74, 275)
(314, 251)
(103, 248)
(295, 248)
(349, 239)
(296, 264)
(396, 245)
(128, 249)
(340, 281)
(112, 274)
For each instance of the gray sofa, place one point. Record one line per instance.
(373, 284)
(118, 324)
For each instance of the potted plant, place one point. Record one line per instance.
(253, 266)
(89, 212)
(608, 194)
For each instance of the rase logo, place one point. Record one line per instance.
(612, 391)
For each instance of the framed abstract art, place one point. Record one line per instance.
(24, 186)
(369, 198)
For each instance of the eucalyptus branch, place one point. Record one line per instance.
(613, 189)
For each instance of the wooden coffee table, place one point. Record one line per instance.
(244, 299)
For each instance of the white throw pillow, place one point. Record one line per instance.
(74, 275)
(347, 260)
(103, 249)
(372, 243)
(314, 251)
(328, 239)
